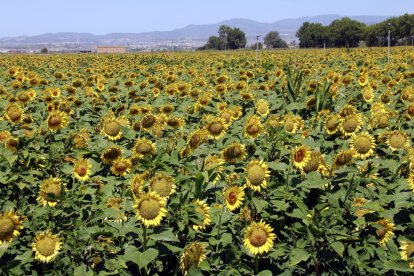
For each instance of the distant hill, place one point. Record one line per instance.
(192, 35)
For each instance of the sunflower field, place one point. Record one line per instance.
(207, 163)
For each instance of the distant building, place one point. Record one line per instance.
(110, 49)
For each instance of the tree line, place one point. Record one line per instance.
(234, 38)
(347, 32)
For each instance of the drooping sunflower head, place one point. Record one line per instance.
(234, 196)
(137, 184)
(253, 127)
(363, 144)
(148, 121)
(301, 156)
(175, 122)
(12, 143)
(203, 210)
(82, 169)
(234, 152)
(51, 190)
(262, 108)
(398, 140)
(292, 123)
(121, 166)
(407, 249)
(385, 230)
(216, 127)
(14, 113)
(314, 162)
(10, 226)
(257, 173)
(193, 254)
(150, 209)
(344, 158)
(348, 110)
(259, 238)
(110, 154)
(351, 124)
(119, 214)
(162, 184)
(380, 120)
(214, 162)
(368, 94)
(197, 138)
(144, 147)
(46, 246)
(57, 120)
(81, 139)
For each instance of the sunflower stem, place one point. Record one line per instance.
(256, 263)
(144, 236)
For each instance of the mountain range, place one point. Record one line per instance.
(190, 36)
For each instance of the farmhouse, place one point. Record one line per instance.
(110, 49)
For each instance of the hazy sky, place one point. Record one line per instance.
(33, 17)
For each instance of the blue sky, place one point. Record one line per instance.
(33, 17)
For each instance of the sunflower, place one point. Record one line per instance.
(148, 121)
(214, 162)
(10, 226)
(380, 120)
(363, 144)
(407, 249)
(216, 127)
(256, 174)
(234, 196)
(137, 184)
(82, 169)
(363, 80)
(121, 166)
(193, 254)
(81, 139)
(144, 147)
(226, 114)
(292, 123)
(410, 180)
(4, 135)
(301, 156)
(175, 122)
(14, 113)
(316, 163)
(348, 110)
(253, 127)
(56, 120)
(344, 158)
(111, 126)
(234, 152)
(262, 108)
(12, 143)
(115, 204)
(51, 191)
(54, 92)
(398, 140)
(110, 154)
(150, 208)
(350, 124)
(367, 94)
(259, 238)
(203, 211)
(46, 246)
(384, 231)
(332, 123)
(162, 184)
(198, 137)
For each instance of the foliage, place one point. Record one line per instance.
(336, 205)
(273, 40)
(229, 38)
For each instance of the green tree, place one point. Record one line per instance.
(228, 38)
(273, 40)
(312, 35)
(44, 51)
(346, 32)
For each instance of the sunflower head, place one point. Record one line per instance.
(385, 230)
(14, 113)
(363, 145)
(193, 254)
(10, 226)
(351, 124)
(150, 208)
(82, 169)
(407, 249)
(398, 140)
(234, 196)
(253, 127)
(301, 156)
(46, 246)
(234, 152)
(144, 147)
(50, 191)
(57, 119)
(216, 127)
(203, 210)
(110, 154)
(259, 238)
(344, 158)
(332, 123)
(162, 184)
(262, 108)
(121, 166)
(257, 173)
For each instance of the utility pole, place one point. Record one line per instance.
(257, 47)
(389, 41)
(324, 47)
